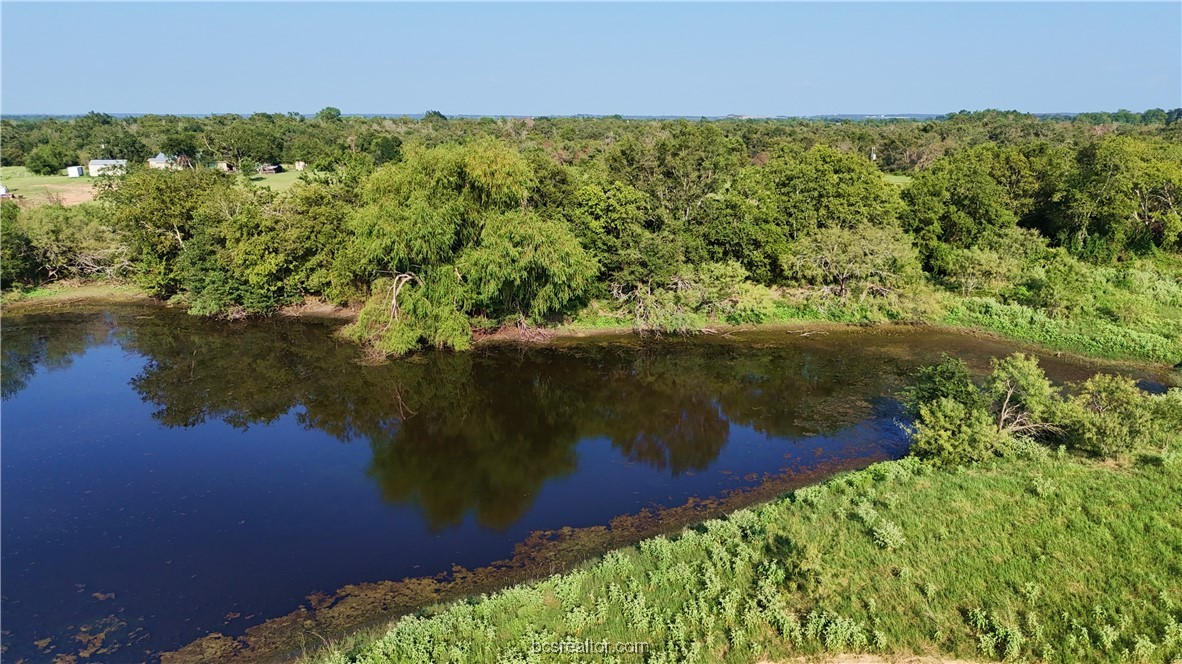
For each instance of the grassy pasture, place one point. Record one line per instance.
(279, 181)
(42, 189)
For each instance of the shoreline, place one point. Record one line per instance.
(66, 297)
(356, 608)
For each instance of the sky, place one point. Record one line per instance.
(698, 59)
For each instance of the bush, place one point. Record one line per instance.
(1109, 416)
(17, 263)
(948, 433)
(948, 379)
(753, 304)
(1016, 407)
(72, 242)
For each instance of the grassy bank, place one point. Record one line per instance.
(1154, 338)
(1056, 559)
(65, 295)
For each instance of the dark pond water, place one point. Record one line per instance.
(164, 477)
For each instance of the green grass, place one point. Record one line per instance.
(69, 294)
(1054, 558)
(42, 188)
(279, 181)
(1155, 340)
(901, 180)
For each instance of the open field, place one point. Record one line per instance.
(901, 180)
(42, 189)
(45, 189)
(279, 181)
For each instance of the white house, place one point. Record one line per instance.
(161, 160)
(74, 171)
(98, 167)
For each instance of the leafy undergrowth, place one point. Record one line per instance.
(1156, 339)
(1053, 558)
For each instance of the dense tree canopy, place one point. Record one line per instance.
(441, 226)
(449, 232)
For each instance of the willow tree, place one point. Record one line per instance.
(448, 234)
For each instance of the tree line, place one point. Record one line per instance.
(442, 227)
(47, 145)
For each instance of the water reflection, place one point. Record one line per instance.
(175, 476)
(478, 432)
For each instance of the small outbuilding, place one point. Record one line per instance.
(74, 171)
(98, 167)
(162, 160)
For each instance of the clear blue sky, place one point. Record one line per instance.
(551, 59)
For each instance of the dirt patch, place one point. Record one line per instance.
(543, 553)
(313, 307)
(66, 193)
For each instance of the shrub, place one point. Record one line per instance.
(948, 379)
(17, 263)
(1109, 416)
(948, 433)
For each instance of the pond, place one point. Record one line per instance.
(166, 477)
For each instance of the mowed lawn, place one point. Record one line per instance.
(279, 181)
(42, 189)
(901, 180)
(46, 189)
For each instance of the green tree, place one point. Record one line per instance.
(1125, 196)
(957, 201)
(329, 114)
(840, 261)
(49, 159)
(680, 168)
(114, 141)
(526, 266)
(449, 226)
(828, 188)
(156, 210)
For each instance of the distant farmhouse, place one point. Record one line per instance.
(98, 167)
(162, 160)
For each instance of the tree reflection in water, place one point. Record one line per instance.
(478, 432)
